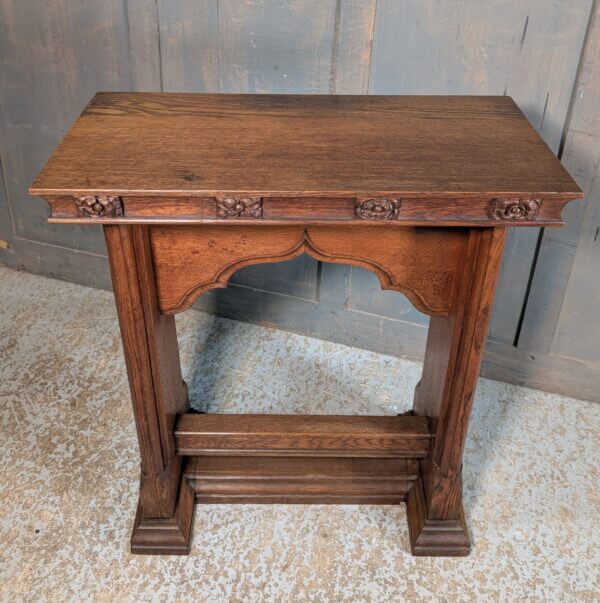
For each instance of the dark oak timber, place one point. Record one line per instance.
(439, 159)
(298, 480)
(298, 435)
(158, 391)
(192, 187)
(418, 262)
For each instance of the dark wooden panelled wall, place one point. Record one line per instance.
(55, 55)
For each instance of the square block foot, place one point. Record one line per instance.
(170, 536)
(434, 537)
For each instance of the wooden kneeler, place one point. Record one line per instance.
(192, 187)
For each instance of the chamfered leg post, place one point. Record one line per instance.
(455, 345)
(158, 392)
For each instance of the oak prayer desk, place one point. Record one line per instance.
(192, 187)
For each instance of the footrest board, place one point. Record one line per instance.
(401, 436)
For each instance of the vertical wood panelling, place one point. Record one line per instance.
(578, 330)
(144, 45)
(296, 278)
(551, 284)
(6, 233)
(6, 221)
(189, 45)
(529, 50)
(366, 296)
(55, 56)
(353, 42)
(280, 46)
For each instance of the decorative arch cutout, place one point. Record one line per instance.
(405, 259)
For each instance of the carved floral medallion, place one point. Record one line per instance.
(505, 208)
(239, 207)
(377, 208)
(99, 206)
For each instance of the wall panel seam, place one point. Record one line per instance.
(374, 29)
(335, 46)
(219, 46)
(536, 255)
(278, 293)
(573, 99)
(565, 131)
(159, 43)
(3, 176)
(63, 247)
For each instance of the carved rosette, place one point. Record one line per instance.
(377, 208)
(239, 207)
(505, 208)
(99, 206)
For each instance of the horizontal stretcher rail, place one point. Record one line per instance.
(302, 435)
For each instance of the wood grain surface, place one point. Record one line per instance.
(419, 262)
(299, 480)
(212, 144)
(302, 435)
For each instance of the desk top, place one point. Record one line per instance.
(392, 148)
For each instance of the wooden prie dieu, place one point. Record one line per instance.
(192, 187)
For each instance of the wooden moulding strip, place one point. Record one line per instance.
(298, 480)
(302, 435)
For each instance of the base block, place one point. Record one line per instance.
(295, 480)
(166, 536)
(434, 537)
(299, 480)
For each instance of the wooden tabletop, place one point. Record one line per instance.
(149, 144)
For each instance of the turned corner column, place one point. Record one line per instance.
(158, 393)
(455, 345)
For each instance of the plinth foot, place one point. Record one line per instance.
(170, 536)
(434, 537)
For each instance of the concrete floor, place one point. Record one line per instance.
(69, 471)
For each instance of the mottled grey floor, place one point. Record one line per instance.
(69, 471)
